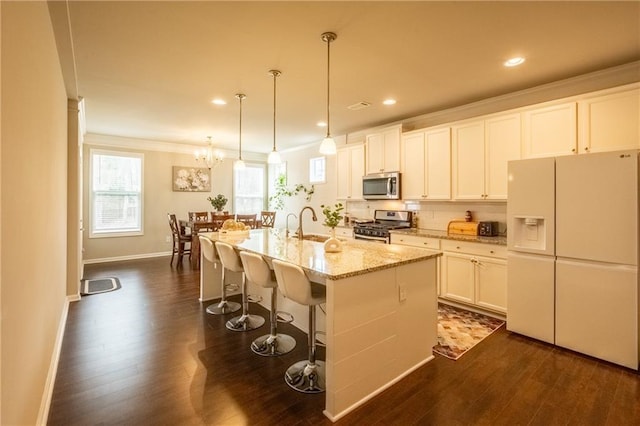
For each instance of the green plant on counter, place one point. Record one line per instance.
(332, 217)
(276, 201)
(218, 202)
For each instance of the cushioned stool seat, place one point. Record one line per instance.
(306, 376)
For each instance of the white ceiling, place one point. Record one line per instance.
(150, 69)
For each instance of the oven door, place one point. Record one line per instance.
(383, 240)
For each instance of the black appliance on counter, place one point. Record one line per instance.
(383, 222)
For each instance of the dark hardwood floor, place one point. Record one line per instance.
(148, 354)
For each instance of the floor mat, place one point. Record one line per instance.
(99, 285)
(460, 330)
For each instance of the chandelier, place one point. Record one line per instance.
(208, 156)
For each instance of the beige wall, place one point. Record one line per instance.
(159, 199)
(34, 217)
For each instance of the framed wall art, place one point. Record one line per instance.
(191, 179)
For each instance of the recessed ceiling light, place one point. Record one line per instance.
(389, 102)
(219, 102)
(514, 62)
(321, 124)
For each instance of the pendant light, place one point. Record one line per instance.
(274, 157)
(239, 165)
(328, 145)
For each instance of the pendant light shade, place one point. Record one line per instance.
(328, 145)
(239, 164)
(274, 157)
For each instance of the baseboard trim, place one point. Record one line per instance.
(129, 257)
(47, 394)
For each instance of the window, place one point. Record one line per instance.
(249, 189)
(317, 170)
(115, 193)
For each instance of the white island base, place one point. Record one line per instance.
(381, 315)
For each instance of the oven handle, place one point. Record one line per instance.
(384, 240)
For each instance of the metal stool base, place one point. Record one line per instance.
(306, 378)
(223, 308)
(245, 322)
(277, 345)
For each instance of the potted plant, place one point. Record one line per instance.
(332, 218)
(218, 202)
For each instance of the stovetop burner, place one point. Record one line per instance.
(384, 221)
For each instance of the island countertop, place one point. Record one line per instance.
(356, 257)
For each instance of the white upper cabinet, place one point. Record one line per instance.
(350, 169)
(549, 131)
(502, 144)
(609, 122)
(426, 165)
(481, 151)
(383, 150)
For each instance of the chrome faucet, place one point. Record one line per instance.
(295, 217)
(314, 218)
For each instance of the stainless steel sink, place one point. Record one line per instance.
(313, 237)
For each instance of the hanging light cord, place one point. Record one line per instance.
(329, 38)
(240, 97)
(275, 75)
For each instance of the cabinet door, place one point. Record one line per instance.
(502, 144)
(468, 161)
(413, 166)
(550, 131)
(438, 164)
(357, 171)
(457, 277)
(610, 123)
(491, 283)
(375, 153)
(343, 175)
(392, 150)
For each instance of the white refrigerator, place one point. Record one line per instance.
(572, 274)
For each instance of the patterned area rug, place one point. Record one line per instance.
(460, 330)
(97, 286)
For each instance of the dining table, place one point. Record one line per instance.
(196, 227)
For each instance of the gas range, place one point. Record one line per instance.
(384, 221)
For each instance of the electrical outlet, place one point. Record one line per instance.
(402, 293)
(167, 239)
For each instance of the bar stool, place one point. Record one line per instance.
(231, 261)
(257, 271)
(224, 306)
(307, 376)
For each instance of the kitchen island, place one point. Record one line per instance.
(381, 310)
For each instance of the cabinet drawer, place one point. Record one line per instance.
(416, 241)
(478, 249)
(344, 232)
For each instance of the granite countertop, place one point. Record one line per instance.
(433, 233)
(356, 257)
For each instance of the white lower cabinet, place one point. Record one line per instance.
(422, 242)
(475, 274)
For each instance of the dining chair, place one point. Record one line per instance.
(218, 220)
(199, 216)
(247, 219)
(267, 219)
(180, 240)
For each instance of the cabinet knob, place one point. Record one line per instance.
(586, 148)
(573, 150)
(491, 251)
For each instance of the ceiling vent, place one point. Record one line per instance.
(359, 105)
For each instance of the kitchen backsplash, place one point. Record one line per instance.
(434, 215)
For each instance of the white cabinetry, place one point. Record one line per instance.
(350, 169)
(383, 150)
(422, 242)
(549, 131)
(481, 151)
(426, 165)
(609, 122)
(475, 274)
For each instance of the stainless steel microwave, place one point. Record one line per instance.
(381, 186)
